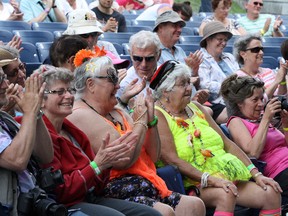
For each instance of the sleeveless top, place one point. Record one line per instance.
(275, 151)
(222, 164)
(144, 166)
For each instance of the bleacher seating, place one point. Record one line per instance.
(193, 24)
(187, 31)
(57, 34)
(119, 48)
(46, 26)
(119, 38)
(14, 25)
(273, 51)
(30, 67)
(5, 35)
(135, 29)
(29, 53)
(269, 62)
(143, 23)
(185, 39)
(189, 47)
(273, 41)
(125, 48)
(43, 50)
(33, 36)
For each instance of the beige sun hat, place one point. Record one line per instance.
(168, 16)
(6, 57)
(82, 21)
(212, 28)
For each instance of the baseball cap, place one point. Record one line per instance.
(168, 16)
(120, 63)
(82, 21)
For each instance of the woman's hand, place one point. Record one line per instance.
(262, 181)
(272, 107)
(194, 60)
(13, 89)
(30, 101)
(222, 183)
(110, 154)
(149, 102)
(140, 110)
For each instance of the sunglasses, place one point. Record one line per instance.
(61, 91)
(258, 3)
(248, 82)
(140, 58)
(112, 76)
(93, 34)
(22, 67)
(255, 49)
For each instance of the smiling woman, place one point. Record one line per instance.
(249, 51)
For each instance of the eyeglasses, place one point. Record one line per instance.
(184, 84)
(93, 34)
(112, 76)
(140, 58)
(13, 73)
(2, 78)
(255, 49)
(258, 3)
(221, 40)
(248, 82)
(61, 91)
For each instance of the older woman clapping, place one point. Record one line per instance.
(217, 65)
(206, 158)
(249, 52)
(96, 113)
(84, 173)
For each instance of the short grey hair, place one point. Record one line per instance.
(89, 69)
(167, 85)
(241, 44)
(145, 39)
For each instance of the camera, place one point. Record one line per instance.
(48, 179)
(284, 104)
(36, 203)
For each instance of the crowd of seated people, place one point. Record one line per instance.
(109, 140)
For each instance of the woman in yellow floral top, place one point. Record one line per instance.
(207, 159)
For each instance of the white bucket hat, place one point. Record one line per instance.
(82, 21)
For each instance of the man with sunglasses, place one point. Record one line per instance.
(264, 24)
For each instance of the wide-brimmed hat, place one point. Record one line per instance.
(6, 57)
(212, 28)
(168, 16)
(82, 21)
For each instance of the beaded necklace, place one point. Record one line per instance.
(196, 134)
(117, 124)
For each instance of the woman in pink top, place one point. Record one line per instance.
(248, 51)
(252, 131)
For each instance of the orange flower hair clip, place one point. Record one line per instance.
(84, 55)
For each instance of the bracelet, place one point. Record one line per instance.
(94, 165)
(283, 83)
(153, 122)
(262, 32)
(257, 174)
(47, 10)
(285, 129)
(204, 180)
(141, 123)
(131, 111)
(251, 167)
(121, 102)
(54, 6)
